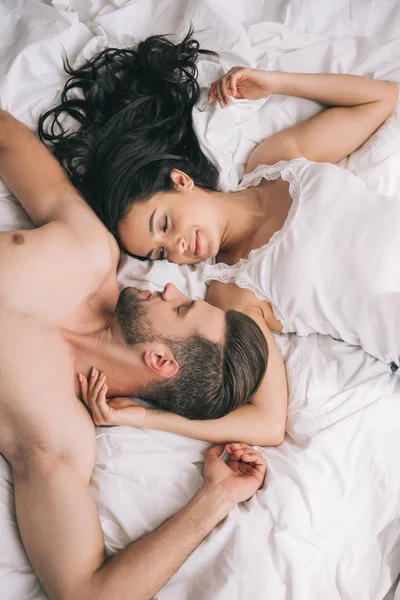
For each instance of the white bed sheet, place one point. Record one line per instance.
(326, 525)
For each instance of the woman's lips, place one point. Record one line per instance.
(197, 250)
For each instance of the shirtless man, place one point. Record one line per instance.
(60, 312)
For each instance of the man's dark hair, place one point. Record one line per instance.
(214, 379)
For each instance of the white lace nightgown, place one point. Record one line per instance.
(334, 267)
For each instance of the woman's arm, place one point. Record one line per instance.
(260, 423)
(358, 106)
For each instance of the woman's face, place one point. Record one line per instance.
(181, 225)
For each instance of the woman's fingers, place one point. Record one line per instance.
(219, 91)
(94, 394)
(226, 87)
(83, 384)
(246, 456)
(212, 95)
(104, 409)
(97, 385)
(237, 448)
(92, 380)
(225, 94)
(232, 83)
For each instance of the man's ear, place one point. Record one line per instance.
(182, 181)
(161, 362)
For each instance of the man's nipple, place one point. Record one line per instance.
(17, 239)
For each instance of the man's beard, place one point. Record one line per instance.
(131, 317)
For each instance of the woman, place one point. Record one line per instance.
(307, 238)
(163, 126)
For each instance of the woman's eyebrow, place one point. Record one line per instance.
(151, 226)
(152, 222)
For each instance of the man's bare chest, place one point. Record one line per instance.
(37, 277)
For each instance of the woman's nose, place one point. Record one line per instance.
(180, 245)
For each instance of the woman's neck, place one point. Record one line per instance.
(241, 215)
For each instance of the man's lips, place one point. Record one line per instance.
(147, 295)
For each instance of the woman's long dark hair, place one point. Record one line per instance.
(133, 111)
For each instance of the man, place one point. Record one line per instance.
(61, 312)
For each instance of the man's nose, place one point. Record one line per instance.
(171, 292)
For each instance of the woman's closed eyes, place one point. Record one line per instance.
(161, 255)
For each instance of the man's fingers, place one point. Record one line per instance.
(215, 451)
(249, 469)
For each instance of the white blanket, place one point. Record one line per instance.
(327, 522)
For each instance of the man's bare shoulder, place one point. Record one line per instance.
(37, 400)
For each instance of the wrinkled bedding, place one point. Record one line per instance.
(327, 522)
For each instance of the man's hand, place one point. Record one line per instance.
(240, 477)
(109, 411)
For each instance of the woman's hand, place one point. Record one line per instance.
(112, 411)
(244, 83)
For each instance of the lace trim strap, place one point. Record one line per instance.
(218, 273)
(281, 169)
(268, 172)
(237, 273)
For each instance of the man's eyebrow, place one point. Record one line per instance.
(183, 309)
(189, 306)
(151, 225)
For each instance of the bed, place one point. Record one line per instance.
(326, 523)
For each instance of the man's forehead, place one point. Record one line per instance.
(211, 321)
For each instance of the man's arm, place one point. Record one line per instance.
(32, 173)
(42, 187)
(60, 528)
(48, 438)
